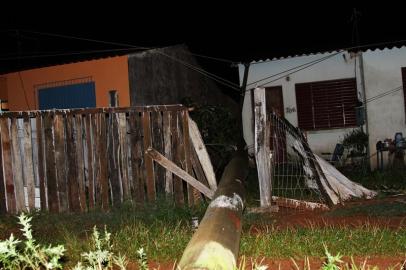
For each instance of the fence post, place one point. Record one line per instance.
(216, 243)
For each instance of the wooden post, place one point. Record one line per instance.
(216, 243)
(102, 152)
(72, 181)
(262, 150)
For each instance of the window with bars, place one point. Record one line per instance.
(326, 104)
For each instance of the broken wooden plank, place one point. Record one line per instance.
(137, 156)
(103, 164)
(53, 201)
(262, 150)
(8, 165)
(167, 150)
(169, 165)
(203, 155)
(157, 143)
(188, 164)
(80, 163)
(149, 166)
(60, 160)
(41, 163)
(297, 204)
(72, 181)
(17, 166)
(124, 149)
(28, 168)
(113, 154)
(3, 197)
(177, 157)
(90, 164)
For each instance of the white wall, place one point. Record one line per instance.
(339, 66)
(386, 116)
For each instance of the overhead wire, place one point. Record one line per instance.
(197, 69)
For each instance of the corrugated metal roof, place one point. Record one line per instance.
(366, 49)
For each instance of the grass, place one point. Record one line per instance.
(164, 231)
(301, 242)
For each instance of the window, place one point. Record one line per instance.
(326, 104)
(113, 98)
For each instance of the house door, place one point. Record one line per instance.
(274, 102)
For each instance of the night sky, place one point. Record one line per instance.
(233, 35)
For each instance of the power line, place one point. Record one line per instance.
(200, 70)
(310, 63)
(214, 58)
(65, 54)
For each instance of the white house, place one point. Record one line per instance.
(319, 93)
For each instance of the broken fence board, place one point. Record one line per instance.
(28, 167)
(60, 160)
(124, 149)
(177, 158)
(149, 166)
(297, 204)
(53, 202)
(137, 156)
(202, 154)
(41, 163)
(188, 164)
(113, 154)
(17, 166)
(169, 165)
(80, 162)
(90, 163)
(8, 165)
(168, 151)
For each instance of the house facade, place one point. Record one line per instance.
(152, 77)
(325, 94)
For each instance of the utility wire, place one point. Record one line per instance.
(55, 54)
(202, 71)
(310, 63)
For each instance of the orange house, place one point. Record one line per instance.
(152, 77)
(26, 90)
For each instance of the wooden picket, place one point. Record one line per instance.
(96, 158)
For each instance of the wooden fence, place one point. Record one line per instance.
(75, 160)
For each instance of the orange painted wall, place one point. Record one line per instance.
(108, 74)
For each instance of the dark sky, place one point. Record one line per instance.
(234, 35)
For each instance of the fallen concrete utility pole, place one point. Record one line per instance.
(216, 243)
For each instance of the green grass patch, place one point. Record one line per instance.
(300, 242)
(164, 231)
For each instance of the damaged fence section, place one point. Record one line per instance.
(76, 160)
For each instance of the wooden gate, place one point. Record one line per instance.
(76, 160)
